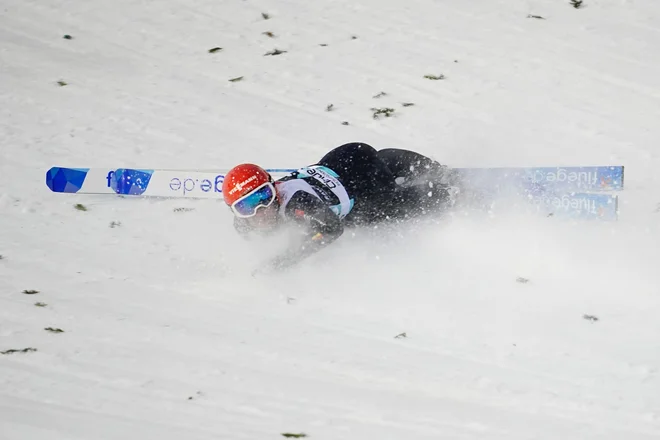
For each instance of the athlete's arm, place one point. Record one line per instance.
(320, 226)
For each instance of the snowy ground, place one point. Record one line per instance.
(165, 337)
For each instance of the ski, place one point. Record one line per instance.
(194, 183)
(583, 206)
(563, 191)
(587, 179)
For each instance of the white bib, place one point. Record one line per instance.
(323, 175)
(330, 179)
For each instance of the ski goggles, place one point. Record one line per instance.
(262, 196)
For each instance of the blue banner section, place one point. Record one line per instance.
(66, 180)
(130, 182)
(604, 178)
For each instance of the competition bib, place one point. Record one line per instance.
(330, 180)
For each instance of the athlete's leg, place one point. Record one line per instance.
(424, 188)
(409, 164)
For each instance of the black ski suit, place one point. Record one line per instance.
(370, 179)
(371, 176)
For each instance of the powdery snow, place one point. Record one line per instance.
(415, 332)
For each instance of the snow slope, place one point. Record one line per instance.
(422, 332)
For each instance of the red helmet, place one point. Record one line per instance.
(247, 187)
